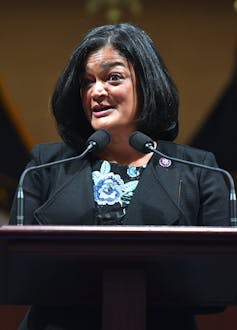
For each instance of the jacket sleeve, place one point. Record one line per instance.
(32, 187)
(214, 200)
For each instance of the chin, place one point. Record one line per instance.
(102, 125)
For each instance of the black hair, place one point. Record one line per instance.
(158, 100)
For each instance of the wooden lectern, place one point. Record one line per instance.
(125, 269)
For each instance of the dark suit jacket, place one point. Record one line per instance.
(177, 195)
(63, 194)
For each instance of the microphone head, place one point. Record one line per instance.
(99, 139)
(140, 142)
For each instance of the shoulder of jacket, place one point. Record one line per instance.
(183, 151)
(48, 152)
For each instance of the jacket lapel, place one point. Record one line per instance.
(72, 203)
(156, 199)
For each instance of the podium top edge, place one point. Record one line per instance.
(116, 231)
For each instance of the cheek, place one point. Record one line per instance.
(132, 100)
(125, 96)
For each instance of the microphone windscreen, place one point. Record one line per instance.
(100, 138)
(139, 140)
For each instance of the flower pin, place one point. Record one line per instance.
(164, 162)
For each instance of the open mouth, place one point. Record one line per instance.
(101, 108)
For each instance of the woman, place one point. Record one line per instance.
(116, 80)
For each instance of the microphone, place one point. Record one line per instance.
(145, 144)
(97, 141)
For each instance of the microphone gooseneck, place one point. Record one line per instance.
(97, 141)
(145, 144)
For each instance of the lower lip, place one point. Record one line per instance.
(104, 113)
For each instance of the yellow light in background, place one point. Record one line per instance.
(235, 5)
(113, 9)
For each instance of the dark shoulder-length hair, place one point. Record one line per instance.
(157, 95)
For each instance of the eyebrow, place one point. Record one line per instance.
(112, 64)
(109, 65)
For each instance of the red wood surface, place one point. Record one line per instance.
(172, 239)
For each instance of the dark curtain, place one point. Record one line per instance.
(14, 156)
(217, 133)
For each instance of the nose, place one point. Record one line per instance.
(99, 90)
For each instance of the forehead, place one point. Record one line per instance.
(106, 57)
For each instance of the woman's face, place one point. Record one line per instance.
(108, 92)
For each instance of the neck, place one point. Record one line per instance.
(120, 151)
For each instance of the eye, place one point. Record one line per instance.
(114, 76)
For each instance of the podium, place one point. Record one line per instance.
(125, 269)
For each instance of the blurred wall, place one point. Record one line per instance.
(196, 39)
